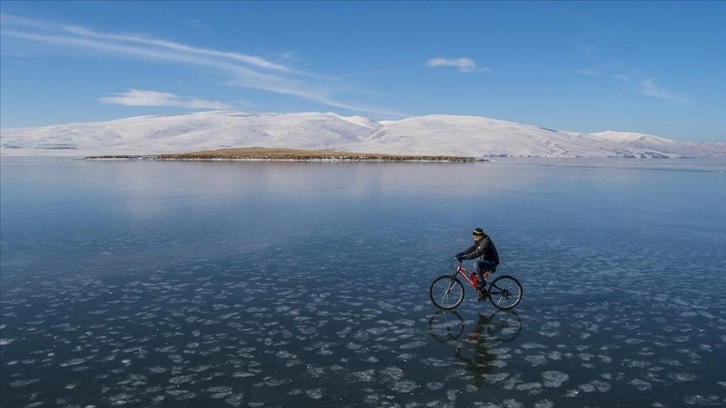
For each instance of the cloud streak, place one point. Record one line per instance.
(136, 97)
(588, 72)
(649, 87)
(241, 70)
(462, 64)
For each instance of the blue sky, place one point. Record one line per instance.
(650, 67)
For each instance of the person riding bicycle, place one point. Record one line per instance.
(483, 249)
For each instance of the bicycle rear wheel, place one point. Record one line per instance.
(446, 292)
(505, 292)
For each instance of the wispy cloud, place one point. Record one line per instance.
(136, 97)
(243, 70)
(463, 64)
(588, 72)
(622, 77)
(15, 54)
(649, 87)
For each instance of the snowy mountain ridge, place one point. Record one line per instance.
(472, 136)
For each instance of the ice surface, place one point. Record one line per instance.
(328, 306)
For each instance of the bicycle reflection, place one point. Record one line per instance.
(474, 350)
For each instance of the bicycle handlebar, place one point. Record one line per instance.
(453, 261)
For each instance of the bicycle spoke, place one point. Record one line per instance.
(446, 292)
(505, 292)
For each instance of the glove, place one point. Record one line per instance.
(459, 257)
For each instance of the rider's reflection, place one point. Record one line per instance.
(474, 351)
(479, 358)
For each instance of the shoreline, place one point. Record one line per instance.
(298, 155)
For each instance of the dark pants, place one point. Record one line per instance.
(483, 266)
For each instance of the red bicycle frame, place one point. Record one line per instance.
(471, 276)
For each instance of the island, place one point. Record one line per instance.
(283, 154)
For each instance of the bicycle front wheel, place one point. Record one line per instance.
(505, 292)
(446, 292)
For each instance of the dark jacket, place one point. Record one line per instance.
(484, 250)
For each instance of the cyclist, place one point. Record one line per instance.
(483, 249)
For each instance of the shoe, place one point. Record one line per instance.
(482, 293)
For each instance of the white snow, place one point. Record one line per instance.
(425, 135)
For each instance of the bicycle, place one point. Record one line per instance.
(447, 292)
(502, 326)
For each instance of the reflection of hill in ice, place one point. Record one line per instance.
(426, 135)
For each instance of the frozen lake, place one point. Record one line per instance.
(213, 284)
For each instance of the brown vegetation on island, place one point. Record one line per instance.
(266, 153)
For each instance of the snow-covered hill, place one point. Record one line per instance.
(425, 135)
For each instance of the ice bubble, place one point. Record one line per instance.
(284, 354)
(511, 382)
(23, 383)
(572, 393)
(315, 393)
(404, 386)
(182, 379)
(235, 400)
(706, 314)
(586, 356)
(544, 404)
(529, 346)
(683, 377)
(536, 360)
(273, 382)
(220, 392)
(495, 378)
(367, 376)
(498, 363)
(554, 379)
(73, 362)
(405, 322)
(601, 386)
(343, 333)
(316, 371)
(500, 351)
(452, 394)
(510, 403)
(5, 341)
(392, 373)
(586, 387)
(413, 344)
(641, 385)
(605, 359)
(672, 363)
(711, 400)
(434, 386)
(528, 386)
(554, 355)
